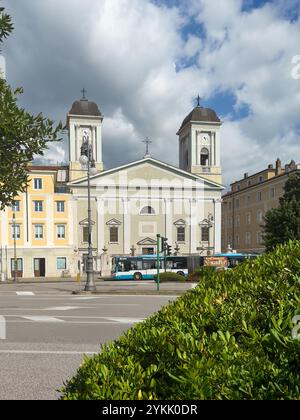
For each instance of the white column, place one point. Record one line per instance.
(100, 214)
(218, 224)
(169, 220)
(78, 142)
(193, 226)
(127, 225)
(72, 140)
(212, 149)
(215, 149)
(94, 136)
(99, 144)
(193, 147)
(217, 140)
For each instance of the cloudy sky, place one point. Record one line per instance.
(144, 62)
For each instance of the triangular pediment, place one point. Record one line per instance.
(147, 241)
(147, 171)
(113, 222)
(85, 222)
(180, 222)
(205, 223)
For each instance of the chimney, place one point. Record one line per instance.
(278, 166)
(271, 167)
(246, 175)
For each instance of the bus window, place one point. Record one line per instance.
(169, 264)
(121, 267)
(179, 263)
(233, 262)
(149, 264)
(176, 263)
(134, 264)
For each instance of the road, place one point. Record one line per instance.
(45, 330)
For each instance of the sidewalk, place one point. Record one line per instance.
(41, 280)
(70, 285)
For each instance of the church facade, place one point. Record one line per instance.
(45, 234)
(133, 203)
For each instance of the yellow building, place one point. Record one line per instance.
(38, 229)
(244, 207)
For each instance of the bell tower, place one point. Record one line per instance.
(84, 119)
(199, 143)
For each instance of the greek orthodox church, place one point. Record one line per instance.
(134, 202)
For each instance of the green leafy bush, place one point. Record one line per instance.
(169, 276)
(201, 273)
(228, 338)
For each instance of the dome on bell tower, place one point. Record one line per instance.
(200, 114)
(85, 107)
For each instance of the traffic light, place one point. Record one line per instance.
(164, 244)
(169, 249)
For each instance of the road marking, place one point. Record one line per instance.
(64, 308)
(63, 316)
(126, 320)
(45, 352)
(2, 328)
(70, 322)
(25, 293)
(103, 295)
(43, 319)
(85, 298)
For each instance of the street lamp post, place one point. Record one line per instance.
(86, 160)
(210, 226)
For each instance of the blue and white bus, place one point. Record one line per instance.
(144, 267)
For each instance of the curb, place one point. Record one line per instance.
(130, 292)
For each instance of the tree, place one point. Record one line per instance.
(283, 223)
(22, 135)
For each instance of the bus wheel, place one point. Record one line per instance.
(137, 276)
(180, 273)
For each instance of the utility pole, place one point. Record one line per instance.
(157, 259)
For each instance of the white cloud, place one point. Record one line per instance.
(55, 154)
(254, 63)
(124, 52)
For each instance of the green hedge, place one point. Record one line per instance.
(169, 276)
(229, 338)
(201, 272)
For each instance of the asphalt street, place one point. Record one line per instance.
(45, 330)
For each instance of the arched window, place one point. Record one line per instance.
(204, 157)
(147, 210)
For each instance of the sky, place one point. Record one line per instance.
(145, 61)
